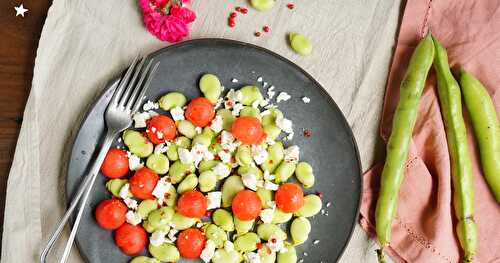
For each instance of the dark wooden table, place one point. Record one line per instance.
(18, 43)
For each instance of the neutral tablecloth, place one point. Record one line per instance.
(85, 43)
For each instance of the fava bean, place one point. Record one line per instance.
(147, 226)
(244, 155)
(178, 171)
(158, 163)
(265, 231)
(216, 234)
(276, 153)
(299, 230)
(210, 87)
(172, 153)
(223, 219)
(262, 5)
(137, 143)
(251, 112)
(223, 256)
(207, 165)
(265, 196)
(250, 94)
(172, 100)
(227, 118)
(247, 242)
(186, 128)
(290, 256)
(284, 171)
(189, 183)
(115, 185)
(271, 117)
(143, 259)
(160, 217)
(312, 206)
(207, 181)
(183, 142)
(181, 222)
(232, 185)
(202, 139)
(304, 173)
(272, 131)
(281, 217)
(242, 170)
(300, 44)
(171, 196)
(165, 252)
(242, 226)
(267, 255)
(146, 207)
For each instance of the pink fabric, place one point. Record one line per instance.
(424, 227)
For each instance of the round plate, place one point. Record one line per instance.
(331, 150)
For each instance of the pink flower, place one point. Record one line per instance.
(183, 13)
(166, 21)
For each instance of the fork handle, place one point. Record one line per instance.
(83, 190)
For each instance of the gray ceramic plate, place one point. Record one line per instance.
(331, 150)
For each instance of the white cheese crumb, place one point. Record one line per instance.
(221, 171)
(292, 153)
(198, 130)
(208, 252)
(264, 84)
(233, 80)
(149, 105)
(185, 156)
(200, 152)
(219, 103)
(259, 79)
(250, 181)
(285, 124)
(140, 119)
(162, 187)
(171, 234)
(177, 113)
(252, 257)
(283, 96)
(131, 203)
(271, 92)
(305, 254)
(134, 162)
(268, 176)
(306, 100)
(217, 124)
(237, 108)
(133, 218)
(268, 185)
(161, 148)
(228, 246)
(226, 137)
(259, 154)
(289, 137)
(234, 96)
(214, 200)
(328, 204)
(266, 215)
(224, 156)
(157, 238)
(275, 244)
(315, 242)
(125, 191)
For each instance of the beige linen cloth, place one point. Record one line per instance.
(85, 43)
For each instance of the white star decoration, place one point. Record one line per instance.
(20, 10)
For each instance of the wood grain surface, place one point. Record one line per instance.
(19, 39)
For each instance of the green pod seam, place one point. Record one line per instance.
(450, 99)
(399, 141)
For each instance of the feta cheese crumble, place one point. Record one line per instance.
(185, 156)
(266, 215)
(306, 100)
(268, 185)
(161, 148)
(283, 96)
(162, 187)
(292, 153)
(217, 124)
(271, 92)
(224, 156)
(268, 176)
(133, 218)
(214, 200)
(259, 79)
(177, 113)
(149, 105)
(252, 257)
(131, 203)
(157, 238)
(250, 181)
(221, 171)
(237, 108)
(228, 246)
(125, 191)
(140, 119)
(275, 244)
(134, 162)
(198, 130)
(208, 252)
(285, 124)
(234, 80)
(259, 154)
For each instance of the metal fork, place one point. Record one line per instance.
(126, 100)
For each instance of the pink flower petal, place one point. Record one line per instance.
(185, 14)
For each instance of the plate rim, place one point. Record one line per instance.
(152, 55)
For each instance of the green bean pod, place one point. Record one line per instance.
(486, 128)
(399, 141)
(450, 99)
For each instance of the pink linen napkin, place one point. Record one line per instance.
(424, 227)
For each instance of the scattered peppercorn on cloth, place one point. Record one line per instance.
(84, 44)
(424, 227)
